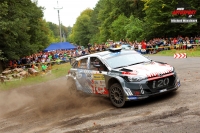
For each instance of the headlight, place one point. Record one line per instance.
(172, 69)
(135, 78)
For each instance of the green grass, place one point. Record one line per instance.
(57, 71)
(190, 52)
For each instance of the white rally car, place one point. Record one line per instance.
(122, 75)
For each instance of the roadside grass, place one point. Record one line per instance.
(56, 72)
(190, 52)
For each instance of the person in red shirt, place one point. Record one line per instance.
(175, 41)
(144, 47)
(10, 63)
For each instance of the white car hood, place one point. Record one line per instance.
(150, 69)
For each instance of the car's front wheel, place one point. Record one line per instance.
(116, 95)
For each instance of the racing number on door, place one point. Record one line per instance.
(160, 83)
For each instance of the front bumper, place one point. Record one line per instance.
(165, 90)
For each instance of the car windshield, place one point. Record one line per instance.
(126, 60)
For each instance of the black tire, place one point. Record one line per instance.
(116, 95)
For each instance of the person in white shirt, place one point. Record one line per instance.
(139, 47)
(43, 60)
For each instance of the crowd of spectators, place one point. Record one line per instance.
(154, 44)
(150, 47)
(57, 56)
(158, 44)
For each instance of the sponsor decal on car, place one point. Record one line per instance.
(98, 77)
(99, 84)
(101, 90)
(128, 92)
(132, 98)
(142, 90)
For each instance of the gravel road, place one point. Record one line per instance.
(51, 107)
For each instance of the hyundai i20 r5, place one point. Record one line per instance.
(122, 75)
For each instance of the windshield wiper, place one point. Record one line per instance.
(119, 67)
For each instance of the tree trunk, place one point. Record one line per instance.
(1, 66)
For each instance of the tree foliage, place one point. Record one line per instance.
(22, 30)
(137, 20)
(81, 29)
(118, 27)
(55, 32)
(159, 14)
(1, 57)
(134, 29)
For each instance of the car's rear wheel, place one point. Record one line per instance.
(116, 95)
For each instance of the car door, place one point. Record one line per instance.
(98, 76)
(82, 73)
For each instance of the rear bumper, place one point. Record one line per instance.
(69, 77)
(72, 78)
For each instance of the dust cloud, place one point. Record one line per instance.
(12, 100)
(55, 98)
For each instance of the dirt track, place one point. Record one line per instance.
(52, 107)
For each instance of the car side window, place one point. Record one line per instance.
(75, 64)
(95, 60)
(83, 63)
(92, 61)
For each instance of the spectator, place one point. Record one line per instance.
(144, 46)
(24, 60)
(10, 64)
(83, 52)
(88, 46)
(44, 67)
(14, 64)
(103, 47)
(196, 41)
(139, 47)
